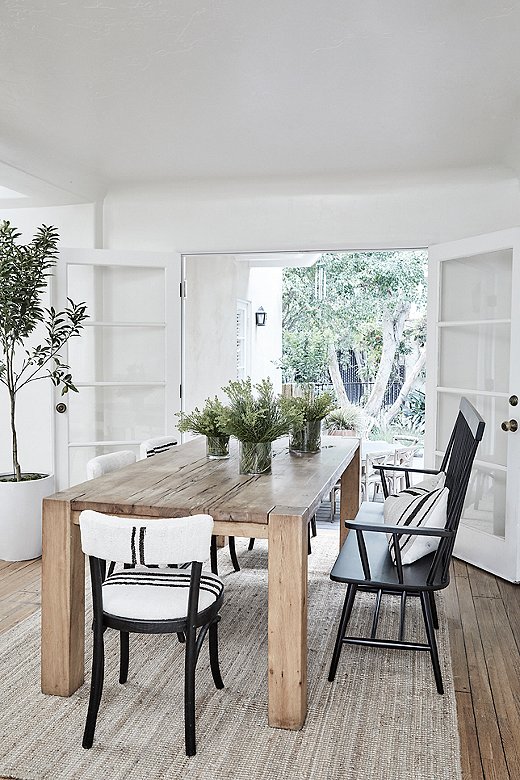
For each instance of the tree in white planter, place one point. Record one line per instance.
(24, 274)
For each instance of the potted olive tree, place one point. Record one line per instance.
(31, 338)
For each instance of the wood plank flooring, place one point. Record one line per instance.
(484, 625)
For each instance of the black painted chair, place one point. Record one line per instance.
(365, 563)
(151, 601)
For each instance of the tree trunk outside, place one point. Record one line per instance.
(407, 386)
(335, 376)
(393, 326)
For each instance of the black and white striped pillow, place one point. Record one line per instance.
(416, 506)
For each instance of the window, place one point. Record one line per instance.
(243, 339)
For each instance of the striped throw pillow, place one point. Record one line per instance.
(417, 506)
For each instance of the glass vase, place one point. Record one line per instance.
(217, 447)
(255, 457)
(306, 439)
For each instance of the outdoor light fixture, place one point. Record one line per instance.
(260, 317)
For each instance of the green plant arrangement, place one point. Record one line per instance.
(349, 418)
(256, 418)
(310, 409)
(24, 275)
(208, 422)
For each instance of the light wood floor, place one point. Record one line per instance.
(484, 623)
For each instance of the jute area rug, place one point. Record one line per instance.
(381, 719)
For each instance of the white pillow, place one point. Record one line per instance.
(423, 504)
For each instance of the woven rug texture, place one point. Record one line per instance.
(381, 719)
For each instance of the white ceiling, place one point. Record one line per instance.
(95, 93)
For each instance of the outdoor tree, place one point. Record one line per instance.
(360, 301)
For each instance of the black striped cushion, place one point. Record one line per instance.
(145, 594)
(416, 507)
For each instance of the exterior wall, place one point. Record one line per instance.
(214, 283)
(35, 404)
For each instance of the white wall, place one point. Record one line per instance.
(265, 289)
(214, 283)
(233, 216)
(35, 413)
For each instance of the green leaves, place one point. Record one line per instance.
(207, 422)
(307, 406)
(255, 413)
(24, 275)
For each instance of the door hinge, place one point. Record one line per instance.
(182, 288)
(180, 391)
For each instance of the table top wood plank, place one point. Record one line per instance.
(182, 481)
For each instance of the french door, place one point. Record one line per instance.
(474, 350)
(126, 362)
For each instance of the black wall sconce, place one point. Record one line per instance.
(260, 317)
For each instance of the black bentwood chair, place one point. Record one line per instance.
(365, 562)
(151, 601)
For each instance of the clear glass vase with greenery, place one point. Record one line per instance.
(256, 417)
(310, 409)
(208, 422)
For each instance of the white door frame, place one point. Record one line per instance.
(500, 556)
(171, 263)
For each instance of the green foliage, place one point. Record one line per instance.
(308, 406)
(206, 421)
(413, 414)
(346, 418)
(305, 357)
(24, 275)
(254, 413)
(362, 289)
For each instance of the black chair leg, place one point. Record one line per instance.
(251, 544)
(124, 656)
(345, 617)
(189, 692)
(430, 633)
(181, 637)
(96, 687)
(233, 553)
(213, 655)
(213, 555)
(313, 526)
(433, 605)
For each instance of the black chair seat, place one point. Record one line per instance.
(348, 567)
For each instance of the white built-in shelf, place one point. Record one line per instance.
(462, 323)
(159, 383)
(473, 391)
(112, 324)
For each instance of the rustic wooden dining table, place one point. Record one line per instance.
(182, 482)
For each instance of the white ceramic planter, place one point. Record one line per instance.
(21, 518)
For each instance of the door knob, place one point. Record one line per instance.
(61, 407)
(510, 425)
(513, 400)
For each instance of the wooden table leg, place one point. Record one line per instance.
(287, 619)
(63, 601)
(349, 497)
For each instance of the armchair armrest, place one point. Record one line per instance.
(399, 530)
(409, 469)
